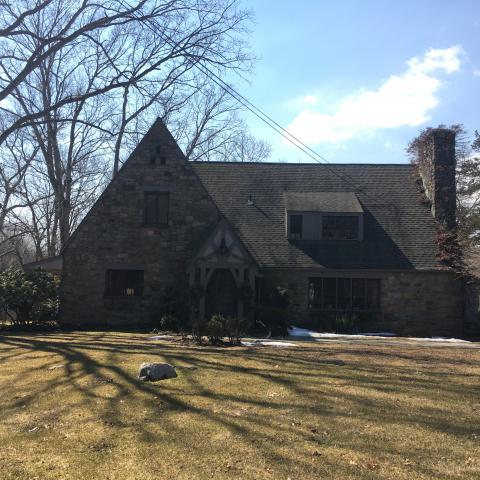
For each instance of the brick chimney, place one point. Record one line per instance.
(436, 165)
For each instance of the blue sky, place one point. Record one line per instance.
(356, 80)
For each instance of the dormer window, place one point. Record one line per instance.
(344, 227)
(323, 216)
(296, 226)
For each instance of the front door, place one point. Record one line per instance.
(221, 294)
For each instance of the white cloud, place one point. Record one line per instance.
(309, 99)
(401, 100)
(476, 72)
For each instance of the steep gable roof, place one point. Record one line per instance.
(399, 231)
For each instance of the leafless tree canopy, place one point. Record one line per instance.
(81, 81)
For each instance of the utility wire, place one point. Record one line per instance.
(315, 156)
(268, 117)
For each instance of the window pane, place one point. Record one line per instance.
(156, 205)
(344, 293)
(296, 226)
(373, 294)
(125, 283)
(358, 293)
(329, 293)
(150, 216)
(339, 227)
(163, 205)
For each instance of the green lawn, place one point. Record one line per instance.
(71, 408)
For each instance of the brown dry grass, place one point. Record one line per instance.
(71, 408)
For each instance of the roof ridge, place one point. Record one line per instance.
(225, 162)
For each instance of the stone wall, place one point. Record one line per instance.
(113, 236)
(436, 165)
(412, 303)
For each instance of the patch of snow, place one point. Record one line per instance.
(377, 334)
(440, 339)
(160, 337)
(268, 343)
(304, 333)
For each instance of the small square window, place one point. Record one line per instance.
(296, 227)
(156, 205)
(124, 283)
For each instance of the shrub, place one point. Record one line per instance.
(275, 319)
(342, 322)
(170, 323)
(235, 328)
(198, 330)
(46, 311)
(345, 323)
(29, 297)
(216, 328)
(173, 304)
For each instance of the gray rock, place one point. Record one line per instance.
(152, 372)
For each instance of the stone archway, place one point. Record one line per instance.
(221, 294)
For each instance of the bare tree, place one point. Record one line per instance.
(131, 42)
(79, 79)
(210, 128)
(208, 123)
(17, 155)
(468, 187)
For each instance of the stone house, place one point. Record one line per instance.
(349, 238)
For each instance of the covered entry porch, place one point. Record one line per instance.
(222, 277)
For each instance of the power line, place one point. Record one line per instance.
(276, 126)
(265, 114)
(315, 156)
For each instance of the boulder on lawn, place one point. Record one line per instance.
(152, 372)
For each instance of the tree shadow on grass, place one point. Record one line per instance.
(317, 390)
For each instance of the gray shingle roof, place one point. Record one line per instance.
(332, 202)
(399, 231)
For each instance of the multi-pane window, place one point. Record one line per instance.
(344, 293)
(124, 283)
(318, 226)
(296, 227)
(340, 227)
(156, 206)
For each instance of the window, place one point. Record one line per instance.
(296, 226)
(344, 293)
(156, 206)
(340, 227)
(328, 226)
(125, 283)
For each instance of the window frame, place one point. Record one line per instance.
(342, 215)
(157, 194)
(298, 236)
(138, 285)
(320, 215)
(320, 305)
